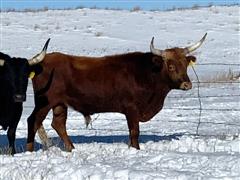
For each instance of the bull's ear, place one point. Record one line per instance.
(191, 60)
(157, 60)
(158, 63)
(37, 69)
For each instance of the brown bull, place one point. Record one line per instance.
(134, 84)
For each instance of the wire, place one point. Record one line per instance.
(208, 109)
(208, 96)
(200, 102)
(217, 64)
(217, 82)
(220, 123)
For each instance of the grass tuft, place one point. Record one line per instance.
(230, 76)
(136, 9)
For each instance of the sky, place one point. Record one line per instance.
(123, 4)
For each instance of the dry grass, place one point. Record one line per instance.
(98, 34)
(5, 151)
(134, 9)
(36, 27)
(230, 76)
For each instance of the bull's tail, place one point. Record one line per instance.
(43, 136)
(88, 120)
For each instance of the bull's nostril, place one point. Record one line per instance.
(19, 98)
(190, 85)
(186, 85)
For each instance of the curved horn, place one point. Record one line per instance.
(39, 57)
(195, 46)
(157, 52)
(1, 62)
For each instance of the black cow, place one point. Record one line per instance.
(14, 73)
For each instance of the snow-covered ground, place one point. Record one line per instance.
(169, 148)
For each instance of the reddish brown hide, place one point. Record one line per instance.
(134, 84)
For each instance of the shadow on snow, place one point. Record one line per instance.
(20, 144)
(56, 141)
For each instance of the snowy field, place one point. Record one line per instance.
(169, 147)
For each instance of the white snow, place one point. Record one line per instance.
(169, 148)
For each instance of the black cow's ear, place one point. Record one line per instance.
(158, 61)
(37, 69)
(158, 64)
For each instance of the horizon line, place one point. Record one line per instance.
(134, 8)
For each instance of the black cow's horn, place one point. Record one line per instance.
(39, 57)
(1, 62)
(157, 52)
(195, 46)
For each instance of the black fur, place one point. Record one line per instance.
(14, 80)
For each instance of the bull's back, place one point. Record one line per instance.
(86, 84)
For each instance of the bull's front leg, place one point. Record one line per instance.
(34, 122)
(11, 134)
(133, 126)
(31, 131)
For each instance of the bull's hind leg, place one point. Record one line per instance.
(34, 122)
(59, 124)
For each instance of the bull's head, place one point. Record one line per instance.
(14, 73)
(176, 61)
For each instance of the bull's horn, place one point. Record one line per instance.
(157, 52)
(1, 62)
(39, 57)
(195, 46)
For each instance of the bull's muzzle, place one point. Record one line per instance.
(19, 98)
(186, 86)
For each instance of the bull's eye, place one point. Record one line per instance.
(171, 68)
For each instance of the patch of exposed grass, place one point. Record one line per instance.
(5, 151)
(98, 34)
(230, 76)
(136, 9)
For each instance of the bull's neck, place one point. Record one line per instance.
(163, 90)
(155, 101)
(165, 81)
